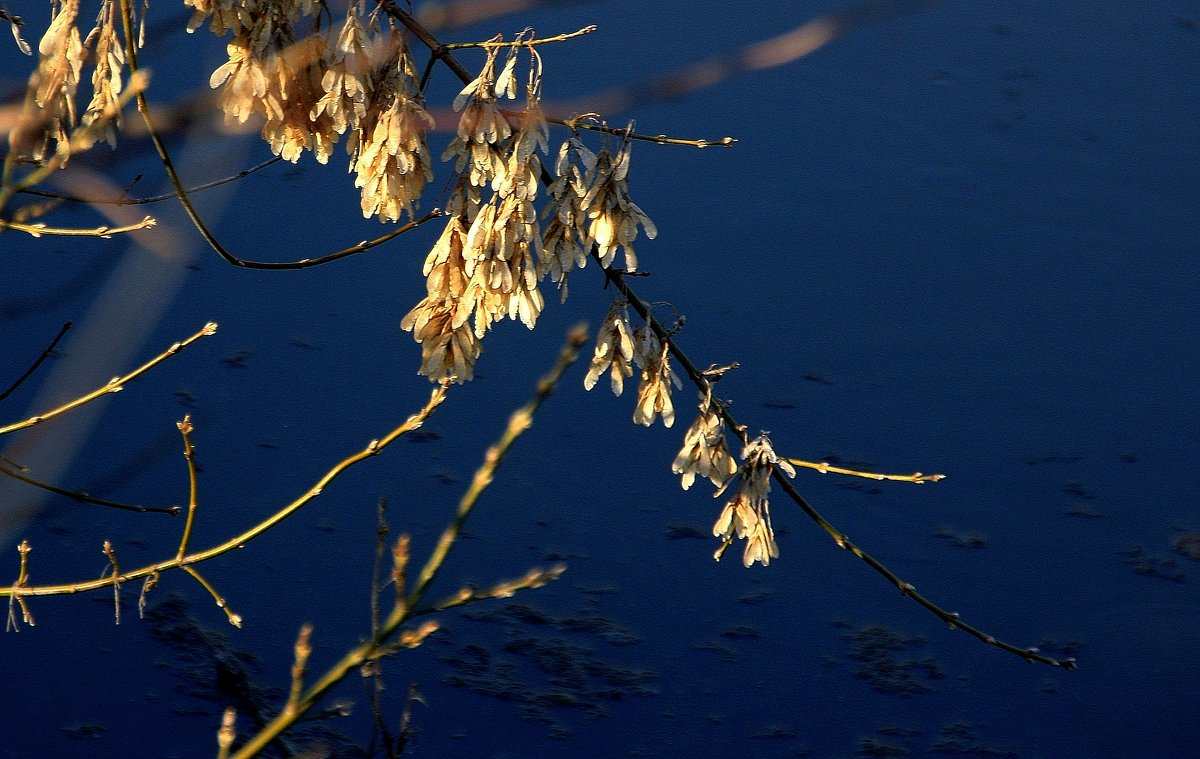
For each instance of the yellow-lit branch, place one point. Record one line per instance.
(114, 385)
(826, 468)
(19, 590)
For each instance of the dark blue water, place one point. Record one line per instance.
(960, 240)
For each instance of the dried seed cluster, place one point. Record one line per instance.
(310, 86)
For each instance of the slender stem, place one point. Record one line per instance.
(824, 467)
(661, 139)
(534, 578)
(39, 229)
(147, 586)
(226, 733)
(84, 497)
(521, 42)
(189, 451)
(400, 555)
(111, 554)
(23, 573)
(123, 201)
(517, 424)
(114, 385)
(303, 650)
(22, 578)
(380, 642)
(405, 722)
(238, 541)
(37, 362)
(702, 383)
(234, 619)
(306, 263)
(381, 533)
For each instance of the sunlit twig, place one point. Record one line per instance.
(234, 618)
(389, 636)
(774, 52)
(302, 649)
(103, 231)
(521, 42)
(825, 467)
(22, 581)
(442, 52)
(189, 455)
(702, 383)
(534, 578)
(114, 385)
(238, 541)
(111, 554)
(226, 733)
(124, 201)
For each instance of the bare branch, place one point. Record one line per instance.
(124, 201)
(825, 467)
(103, 232)
(382, 642)
(704, 385)
(114, 385)
(38, 361)
(238, 541)
(521, 42)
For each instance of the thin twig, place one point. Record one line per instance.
(400, 554)
(124, 201)
(238, 541)
(825, 467)
(381, 533)
(66, 327)
(114, 385)
(661, 139)
(702, 383)
(382, 642)
(306, 263)
(234, 618)
(517, 424)
(373, 670)
(373, 682)
(147, 586)
(226, 733)
(952, 619)
(189, 455)
(531, 42)
(406, 720)
(303, 649)
(22, 580)
(102, 231)
(82, 497)
(442, 52)
(534, 578)
(111, 554)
